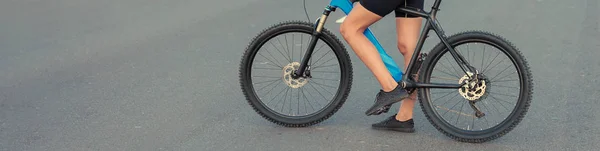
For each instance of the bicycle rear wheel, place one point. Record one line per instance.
(270, 59)
(481, 94)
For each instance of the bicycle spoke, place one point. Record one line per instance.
(326, 61)
(451, 98)
(321, 78)
(461, 109)
(483, 57)
(447, 93)
(293, 45)
(324, 85)
(321, 57)
(468, 52)
(498, 100)
(498, 64)
(332, 65)
(486, 121)
(274, 58)
(284, 98)
(503, 77)
(504, 86)
(324, 71)
(500, 72)
(485, 106)
(449, 63)
(448, 74)
(287, 48)
(317, 91)
(445, 78)
(268, 68)
(266, 81)
(267, 76)
(315, 52)
(304, 102)
(451, 108)
(441, 92)
(485, 69)
(492, 106)
(288, 59)
(441, 64)
(291, 99)
(308, 100)
(276, 96)
(473, 56)
(301, 42)
(473, 121)
(298, 112)
(502, 94)
(276, 63)
(323, 88)
(267, 85)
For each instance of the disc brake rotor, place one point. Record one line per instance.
(473, 89)
(288, 70)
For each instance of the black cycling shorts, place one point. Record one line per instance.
(384, 7)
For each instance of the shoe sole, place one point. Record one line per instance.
(405, 130)
(374, 108)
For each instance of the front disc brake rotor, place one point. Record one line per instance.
(288, 70)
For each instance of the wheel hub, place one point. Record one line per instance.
(288, 71)
(473, 89)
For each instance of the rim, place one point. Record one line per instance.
(336, 94)
(503, 123)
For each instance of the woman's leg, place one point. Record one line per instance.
(359, 19)
(352, 30)
(408, 30)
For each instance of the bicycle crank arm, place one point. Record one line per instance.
(478, 112)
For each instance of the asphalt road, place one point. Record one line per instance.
(162, 75)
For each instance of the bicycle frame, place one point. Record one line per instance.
(407, 81)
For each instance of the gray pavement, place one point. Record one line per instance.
(162, 75)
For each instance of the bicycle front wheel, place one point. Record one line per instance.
(271, 58)
(492, 103)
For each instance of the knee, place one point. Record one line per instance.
(406, 47)
(349, 30)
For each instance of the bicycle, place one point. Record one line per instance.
(472, 83)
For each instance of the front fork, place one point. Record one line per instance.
(302, 72)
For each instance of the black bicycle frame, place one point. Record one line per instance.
(408, 82)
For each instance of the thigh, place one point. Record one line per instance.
(408, 29)
(381, 7)
(408, 26)
(359, 19)
(418, 4)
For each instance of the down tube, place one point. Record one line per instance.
(390, 64)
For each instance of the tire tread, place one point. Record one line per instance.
(522, 110)
(335, 42)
